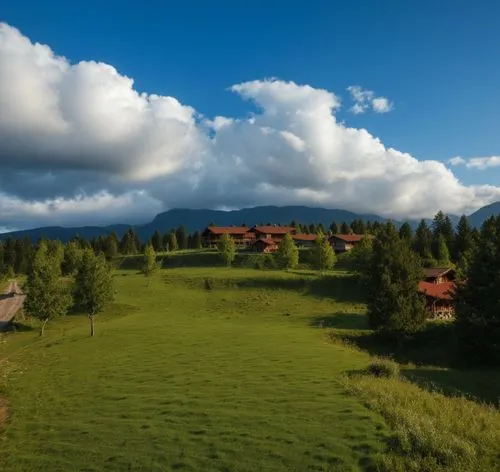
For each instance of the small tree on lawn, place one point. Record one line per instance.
(93, 288)
(323, 256)
(287, 255)
(395, 306)
(47, 298)
(150, 264)
(227, 248)
(360, 258)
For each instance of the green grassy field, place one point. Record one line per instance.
(236, 378)
(242, 377)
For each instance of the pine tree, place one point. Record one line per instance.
(395, 306)
(93, 287)
(345, 229)
(321, 229)
(149, 266)
(227, 249)
(197, 240)
(334, 228)
(442, 253)
(181, 237)
(47, 298)
(405, 231)
(442, 225)
(423, 240)
(312, 228)
(287, 255)
(9, 253)
(172, 242)
(128, 244)
(323, 256)
(157, 241)
(463, 240)
(477, 303)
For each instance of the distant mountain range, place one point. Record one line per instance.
(196, 220)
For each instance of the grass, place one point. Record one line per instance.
(237, 378)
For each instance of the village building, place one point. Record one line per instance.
(304, 240)
(345, 242)
(439, 275)
(265, 245)
(241, 235)
(439, 298)
(274, 232)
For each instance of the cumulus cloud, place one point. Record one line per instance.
(480, 163)
(81, 146)
(365, 99)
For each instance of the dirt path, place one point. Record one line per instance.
(9, 305)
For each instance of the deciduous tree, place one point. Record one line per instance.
(149, 265)
(227, 248)
(93, 287)
(287, 255)
(323, 256)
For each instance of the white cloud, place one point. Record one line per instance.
(366, 99)
(457, 161)
(480, 163)
(81, 146)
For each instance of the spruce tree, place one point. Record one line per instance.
(9, 253)
(287, 255)
(334, 228)
(110, 246)
(360, 258)
(463, 240)
(405, 231)
(47, 298)
(345, 229)
(197, 240)
(172, 241)
(181, 235)
(395, 306)
(477, 302)
(157, 241)
(227, 249)
(323, 256)
(422, 243)
(93, 286)
(442, 253)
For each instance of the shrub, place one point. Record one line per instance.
(383, 368)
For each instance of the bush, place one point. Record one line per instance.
(383, 368)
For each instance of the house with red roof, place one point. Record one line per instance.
(345, 242)
(240, 234)
(439, 298)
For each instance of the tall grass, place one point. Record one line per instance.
(432, 432)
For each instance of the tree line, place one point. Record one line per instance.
(391, 267)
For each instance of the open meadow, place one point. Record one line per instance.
(234, 375)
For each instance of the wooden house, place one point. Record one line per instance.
(265, 245)
(304, 240)
(240, 234)
(345, 242)
(274, 232)
(439, 275)
(439, 298)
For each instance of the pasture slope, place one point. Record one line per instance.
(240, 377)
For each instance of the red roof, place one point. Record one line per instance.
(273, 229)
(228, 229)
(304, 237)
(352, 238)
(267, 241)
(442, 291)
(434, 272)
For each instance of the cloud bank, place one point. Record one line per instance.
(80, 146)
(480, 163)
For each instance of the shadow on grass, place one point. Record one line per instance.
(20, 327)
(340, 320)
(341, 289)
(482, 385)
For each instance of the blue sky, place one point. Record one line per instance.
(437, 62)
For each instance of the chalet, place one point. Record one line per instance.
(265, 245)
(439, 298)
(304, 240)
(439, 275)
(240, 234)
(345, 242)
(274, 232)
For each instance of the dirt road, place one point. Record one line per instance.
(10, 304)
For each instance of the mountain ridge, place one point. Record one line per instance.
(197, 219)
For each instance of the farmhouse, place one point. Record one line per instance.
(265, 245)
(304, 240)
(277, 233)
(240, 234)
(439, 275)
(345, 242)
(439, 298)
